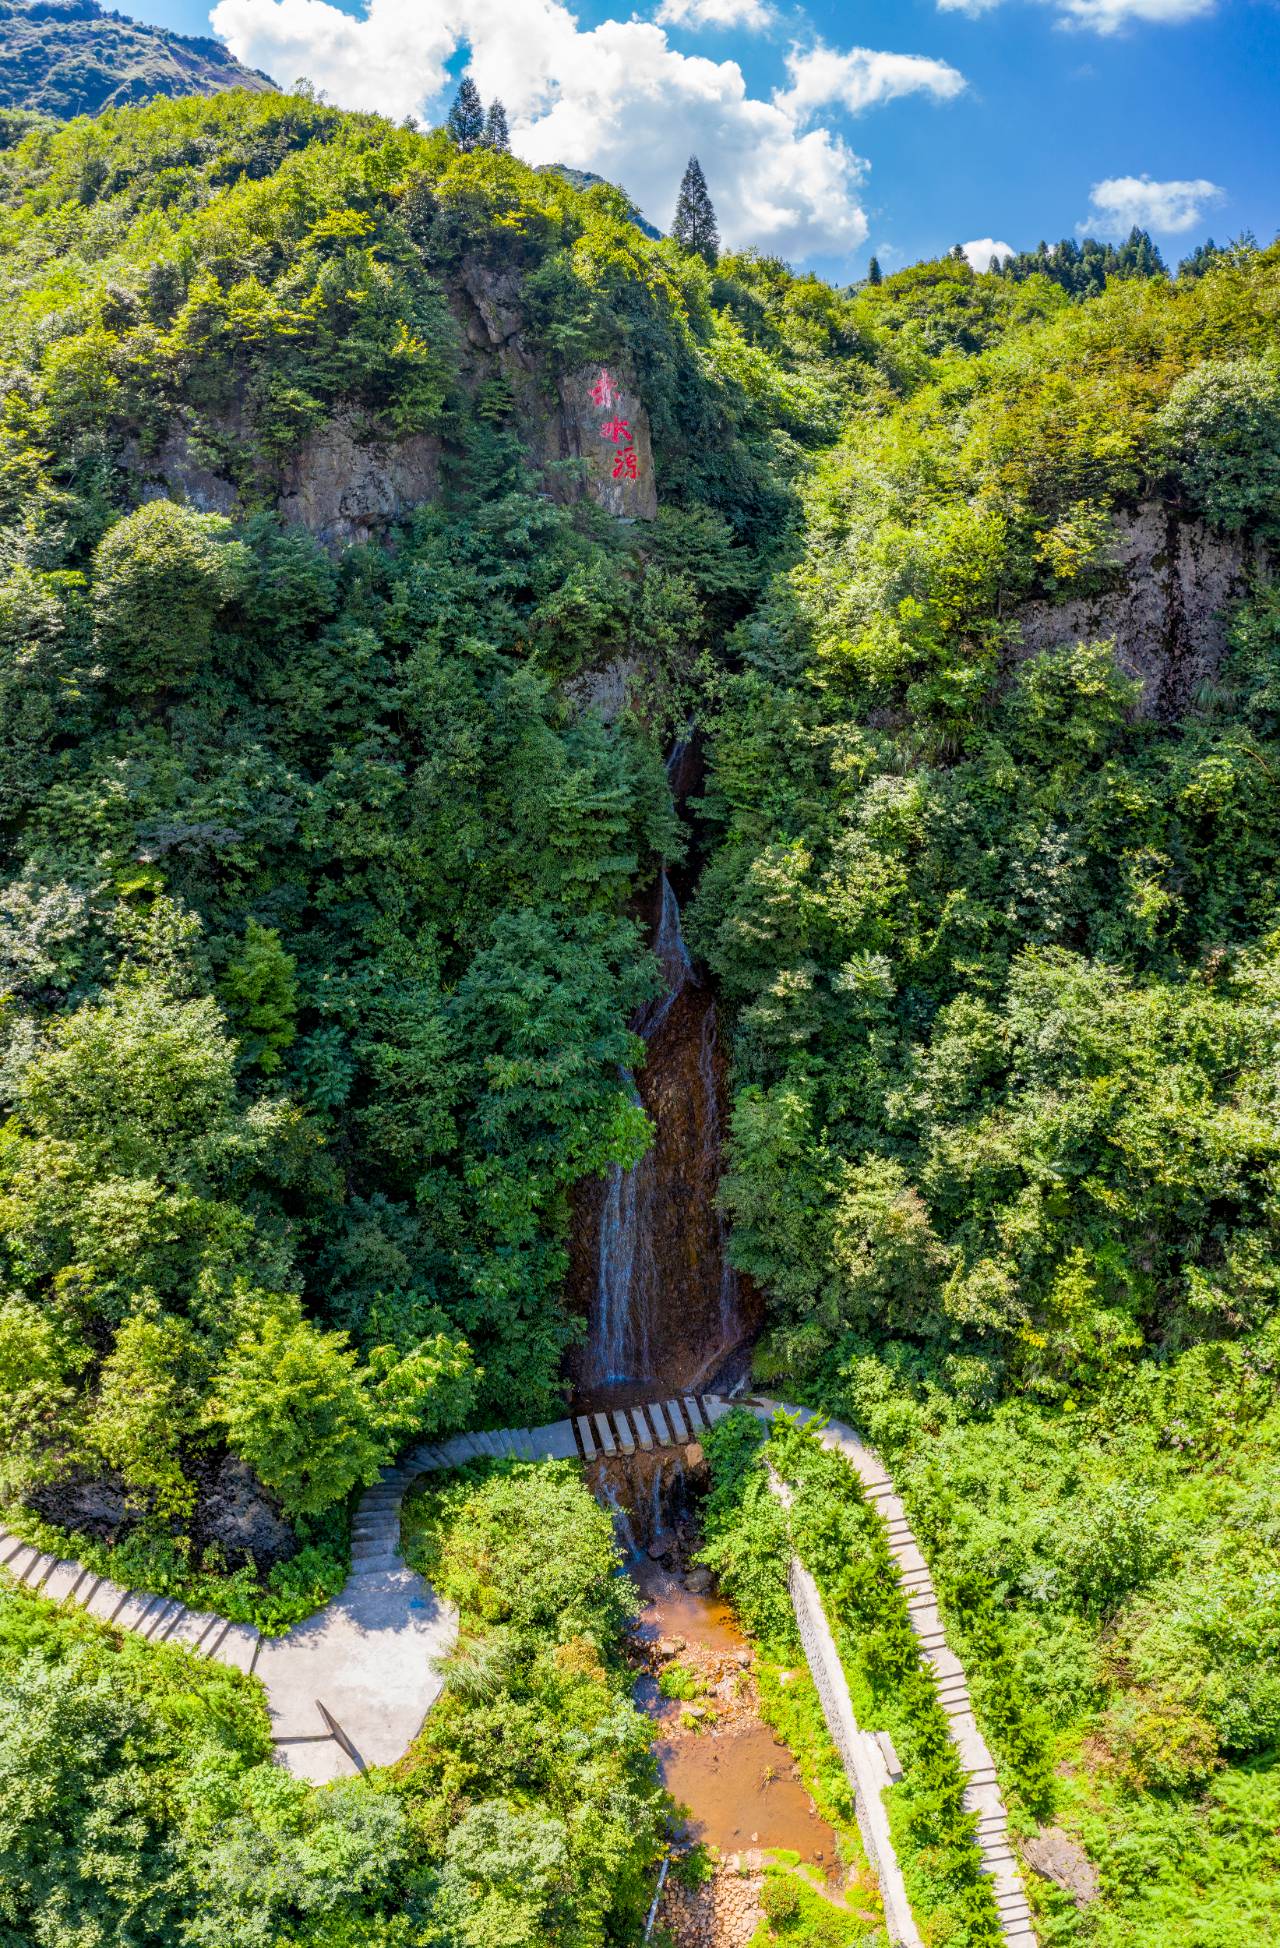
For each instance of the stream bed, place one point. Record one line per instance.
(740, 1788)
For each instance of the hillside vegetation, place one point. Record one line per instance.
(317, 958)
(74, 57)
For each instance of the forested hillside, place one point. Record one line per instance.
(73, 57)
(319, 950)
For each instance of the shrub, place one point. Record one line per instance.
(1219, 432)
(162, 575)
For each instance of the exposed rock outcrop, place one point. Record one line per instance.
(584, 433)
(1055, 1856)
(608, 690)
(1166, 607)
(346, 489)
(236, 1513)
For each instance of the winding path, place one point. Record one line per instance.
(350, 1687)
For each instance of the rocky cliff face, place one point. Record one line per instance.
(584, 432)
(1167, 607)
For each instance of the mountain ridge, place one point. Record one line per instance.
(73, 57)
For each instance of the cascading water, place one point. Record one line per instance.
(649, 1264)
(623, 1270)
(729, 1290)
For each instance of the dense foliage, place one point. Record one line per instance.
(532, 1782)
(841, 1540)
(140, 1804)
(1001, 936)
(317, 959)
(316, 965)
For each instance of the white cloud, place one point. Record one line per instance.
(1120, 202)
(749, 14)
(862, 78)
(616, 98)
(1109, 16)
(1104, 16)
(980, 251)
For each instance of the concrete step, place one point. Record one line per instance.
(641, 1432)
(369, 1557)
(159, 1622)
(676, 1421)
(62, 1580)
(238, 1647)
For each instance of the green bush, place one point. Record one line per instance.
(1219, 432)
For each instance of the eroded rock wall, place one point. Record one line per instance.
(1167, 607)
(584, 433)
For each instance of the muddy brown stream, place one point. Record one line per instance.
(740, 1785)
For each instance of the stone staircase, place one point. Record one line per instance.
(351, 1685)
(982, 1792)
(629, 1430)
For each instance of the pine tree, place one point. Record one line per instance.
(496, 133)
(466, 117)
(695, 228)
(874, 273)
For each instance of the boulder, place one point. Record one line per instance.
(236, 1513)
(1055, 1856)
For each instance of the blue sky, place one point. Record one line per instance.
(831, 131)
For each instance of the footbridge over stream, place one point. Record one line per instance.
(350, 1687)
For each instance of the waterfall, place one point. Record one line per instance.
(625, 1271)
(672, 957)
(649, 1265)
(621, 1520)
(712, 1142)
(622, 1274)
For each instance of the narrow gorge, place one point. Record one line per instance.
(650, 1268)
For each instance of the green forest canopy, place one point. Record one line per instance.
(315, 940)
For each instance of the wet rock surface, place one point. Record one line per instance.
(648, 1265)
(723, 1913)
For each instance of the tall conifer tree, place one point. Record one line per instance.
(496, 133)
(466, 117)
(874, 274)
(695, 228)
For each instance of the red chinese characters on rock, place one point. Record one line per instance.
(605, 392)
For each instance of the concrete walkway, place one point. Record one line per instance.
(982, 1794)
(350, 1687)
